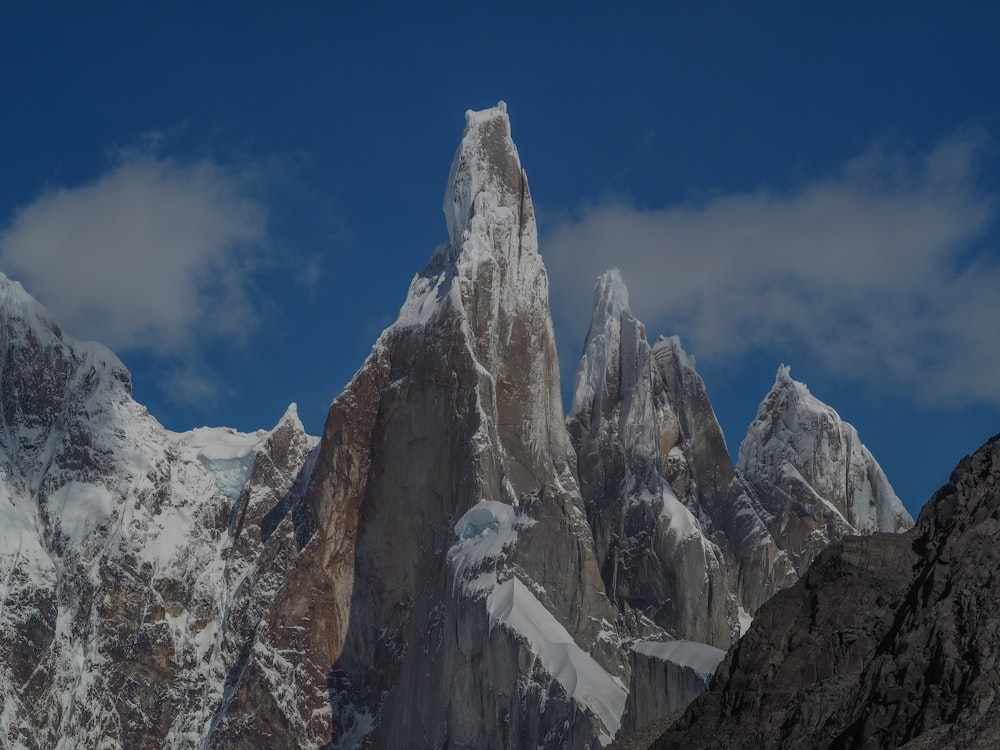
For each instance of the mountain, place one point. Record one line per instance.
(683, 538)
(433, 570)
(813, 476)
(465, 604)
(653, 552)
(680, 534)
(120, 571)
(886, 642)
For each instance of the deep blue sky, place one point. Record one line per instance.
(302, 152)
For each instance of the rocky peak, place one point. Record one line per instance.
(492, 251)
(444, 513)
(794, 429)
(654, 554)
(47, 381)
(486, 173)
(799, 455)
(614, 355)
(610, 297)
(489, 283)
(887, 642)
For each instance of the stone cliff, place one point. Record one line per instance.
(887, 641)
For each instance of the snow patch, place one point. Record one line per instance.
(228, 455)
(483, 533)
(699, 657)
(514, 606)
(746, 619)
(81, 508)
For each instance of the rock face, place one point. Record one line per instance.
(466, 604)
(681, 536)
(666, 676)
(629, 435)
(699, 467)
(118, 550)
(472, 558)
(887, 641)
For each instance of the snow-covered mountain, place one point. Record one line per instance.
(682, 536)
(812, 474)
(433, 570)
(117, 551)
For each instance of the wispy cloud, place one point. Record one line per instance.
(881, 272)
(156, 254)
(189, 385)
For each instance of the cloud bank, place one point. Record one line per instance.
(882, 272)
(157, 254)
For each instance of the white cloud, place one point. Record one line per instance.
(189, 385)
(877, 273)
(156, 254)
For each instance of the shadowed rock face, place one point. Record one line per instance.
(887, 641)
(665, 678)
(630, 429)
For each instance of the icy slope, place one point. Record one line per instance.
(810, 468)
(114, 553)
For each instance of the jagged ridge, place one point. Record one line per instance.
(887, 641)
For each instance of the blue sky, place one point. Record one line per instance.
(235, 196)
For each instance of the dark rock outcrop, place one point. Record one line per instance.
(887, 641)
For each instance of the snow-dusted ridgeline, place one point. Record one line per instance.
(114, 550)
(813, 475)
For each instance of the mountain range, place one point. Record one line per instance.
(454, 562)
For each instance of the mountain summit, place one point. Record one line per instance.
(453, 563)
(810, 469)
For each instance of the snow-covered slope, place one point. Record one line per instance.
(812, 473)
(227, 454)
(113, 540)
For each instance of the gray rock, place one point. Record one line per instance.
(630, 427)
(666, 676)
(887, 641)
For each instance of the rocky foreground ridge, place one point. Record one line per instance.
(888, 641)
(451, 564)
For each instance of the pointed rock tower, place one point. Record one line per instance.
(449, 585)
(630, 436)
